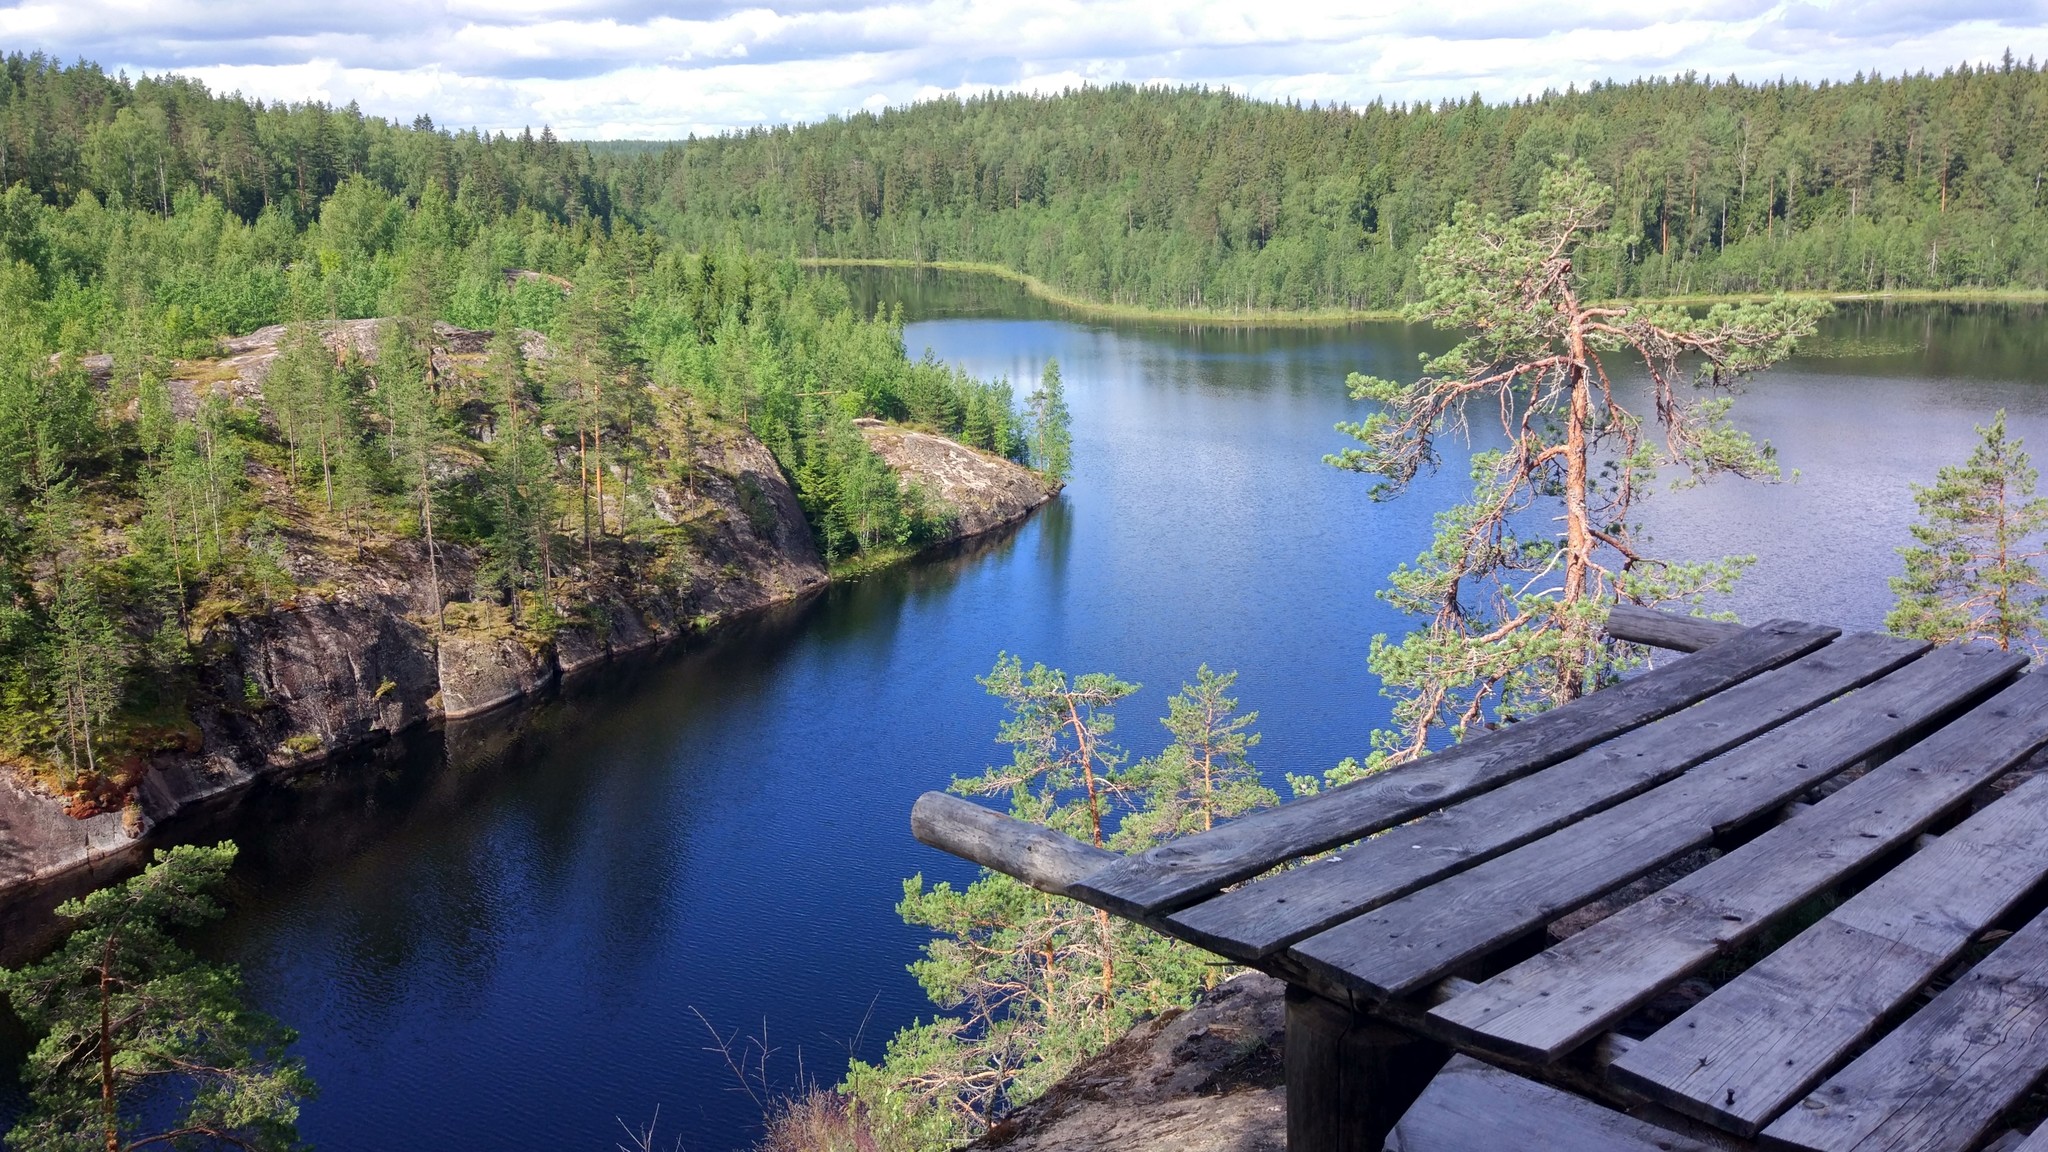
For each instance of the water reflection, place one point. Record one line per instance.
(499, 936)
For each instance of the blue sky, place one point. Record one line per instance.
(638, 68)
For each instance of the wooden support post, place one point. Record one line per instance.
(1349, 1076)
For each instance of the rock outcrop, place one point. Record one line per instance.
(1204, 1080)
(985, 490)
(359, 655)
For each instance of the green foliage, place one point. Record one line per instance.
(519, 480)
(1037, 982)
(141, 1043)
(1052, 435)
(1203, 199)
(1513, 620)
(150, 219)
(1205, 774)
(1971, 573)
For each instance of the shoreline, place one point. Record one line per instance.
(105, 847)
(1337, 318)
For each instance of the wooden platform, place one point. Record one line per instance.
(1831, 851)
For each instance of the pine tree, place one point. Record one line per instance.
(415, 435)
(1971, 573)
(140, 1043)
(1051, 425)
(297, 390)
(520, 476)
(1205, 774)
(1513, 622)
(1038, 982)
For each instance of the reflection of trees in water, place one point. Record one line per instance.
(396, 880)
(1969, 341)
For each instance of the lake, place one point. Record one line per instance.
(526, 933)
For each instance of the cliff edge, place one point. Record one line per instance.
(1204, 1080)
(357, 653)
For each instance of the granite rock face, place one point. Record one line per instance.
(984, 490)
(359, 654)
(1204, 1080)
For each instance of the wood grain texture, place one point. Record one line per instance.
(1555, 1001)
(1410, 942)
(1475, 1107)
(2038, 1142)
(1173, 875)
(1744, 1054)
(1639, 625)
(1042, 858)
(1941, 1079)
(1258, 919)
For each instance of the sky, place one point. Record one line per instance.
(640, 69)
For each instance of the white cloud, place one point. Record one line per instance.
(643, 68)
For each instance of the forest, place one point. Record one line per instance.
(638, 298)
(1195, 199)
(1144, 197)
(143, 499)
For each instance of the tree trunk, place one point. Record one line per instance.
(109, 1110)
(583, 481)
(1578, 521)
(427, 522)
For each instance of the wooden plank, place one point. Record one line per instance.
(1045, 859)
(1551, 1003)
(1173, 875)
(1475, 1107)
(1946, 1075)
(1411, 942)
(1745, 1053)
(1639, 625)
(2038, 1142)
(1258, 919)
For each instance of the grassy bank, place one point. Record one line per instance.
(1320, 318)
(1096, 309)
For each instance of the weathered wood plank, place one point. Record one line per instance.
(1552, 1002)
(2038, 1142)
(1745, 1053)
(1639, 625)
(1412, 941)
(1474, 1107)
(1172, 875)
(1945, 1076)
(1042, 858)
(1258, 919)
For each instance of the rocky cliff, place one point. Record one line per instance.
(1204, 1080)
(357, 655)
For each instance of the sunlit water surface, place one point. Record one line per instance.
(525, 935)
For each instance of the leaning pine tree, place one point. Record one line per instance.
(1971, 572)
(139, 1043)
(1514, 616)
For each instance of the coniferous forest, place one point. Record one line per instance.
(554, 331)
(143, 499)
(1193, 199)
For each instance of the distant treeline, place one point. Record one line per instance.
(1167, 198)
(1197, 198)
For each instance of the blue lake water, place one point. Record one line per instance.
(523, 934)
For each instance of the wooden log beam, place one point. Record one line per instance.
(1048, 861)
(1639, 625)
